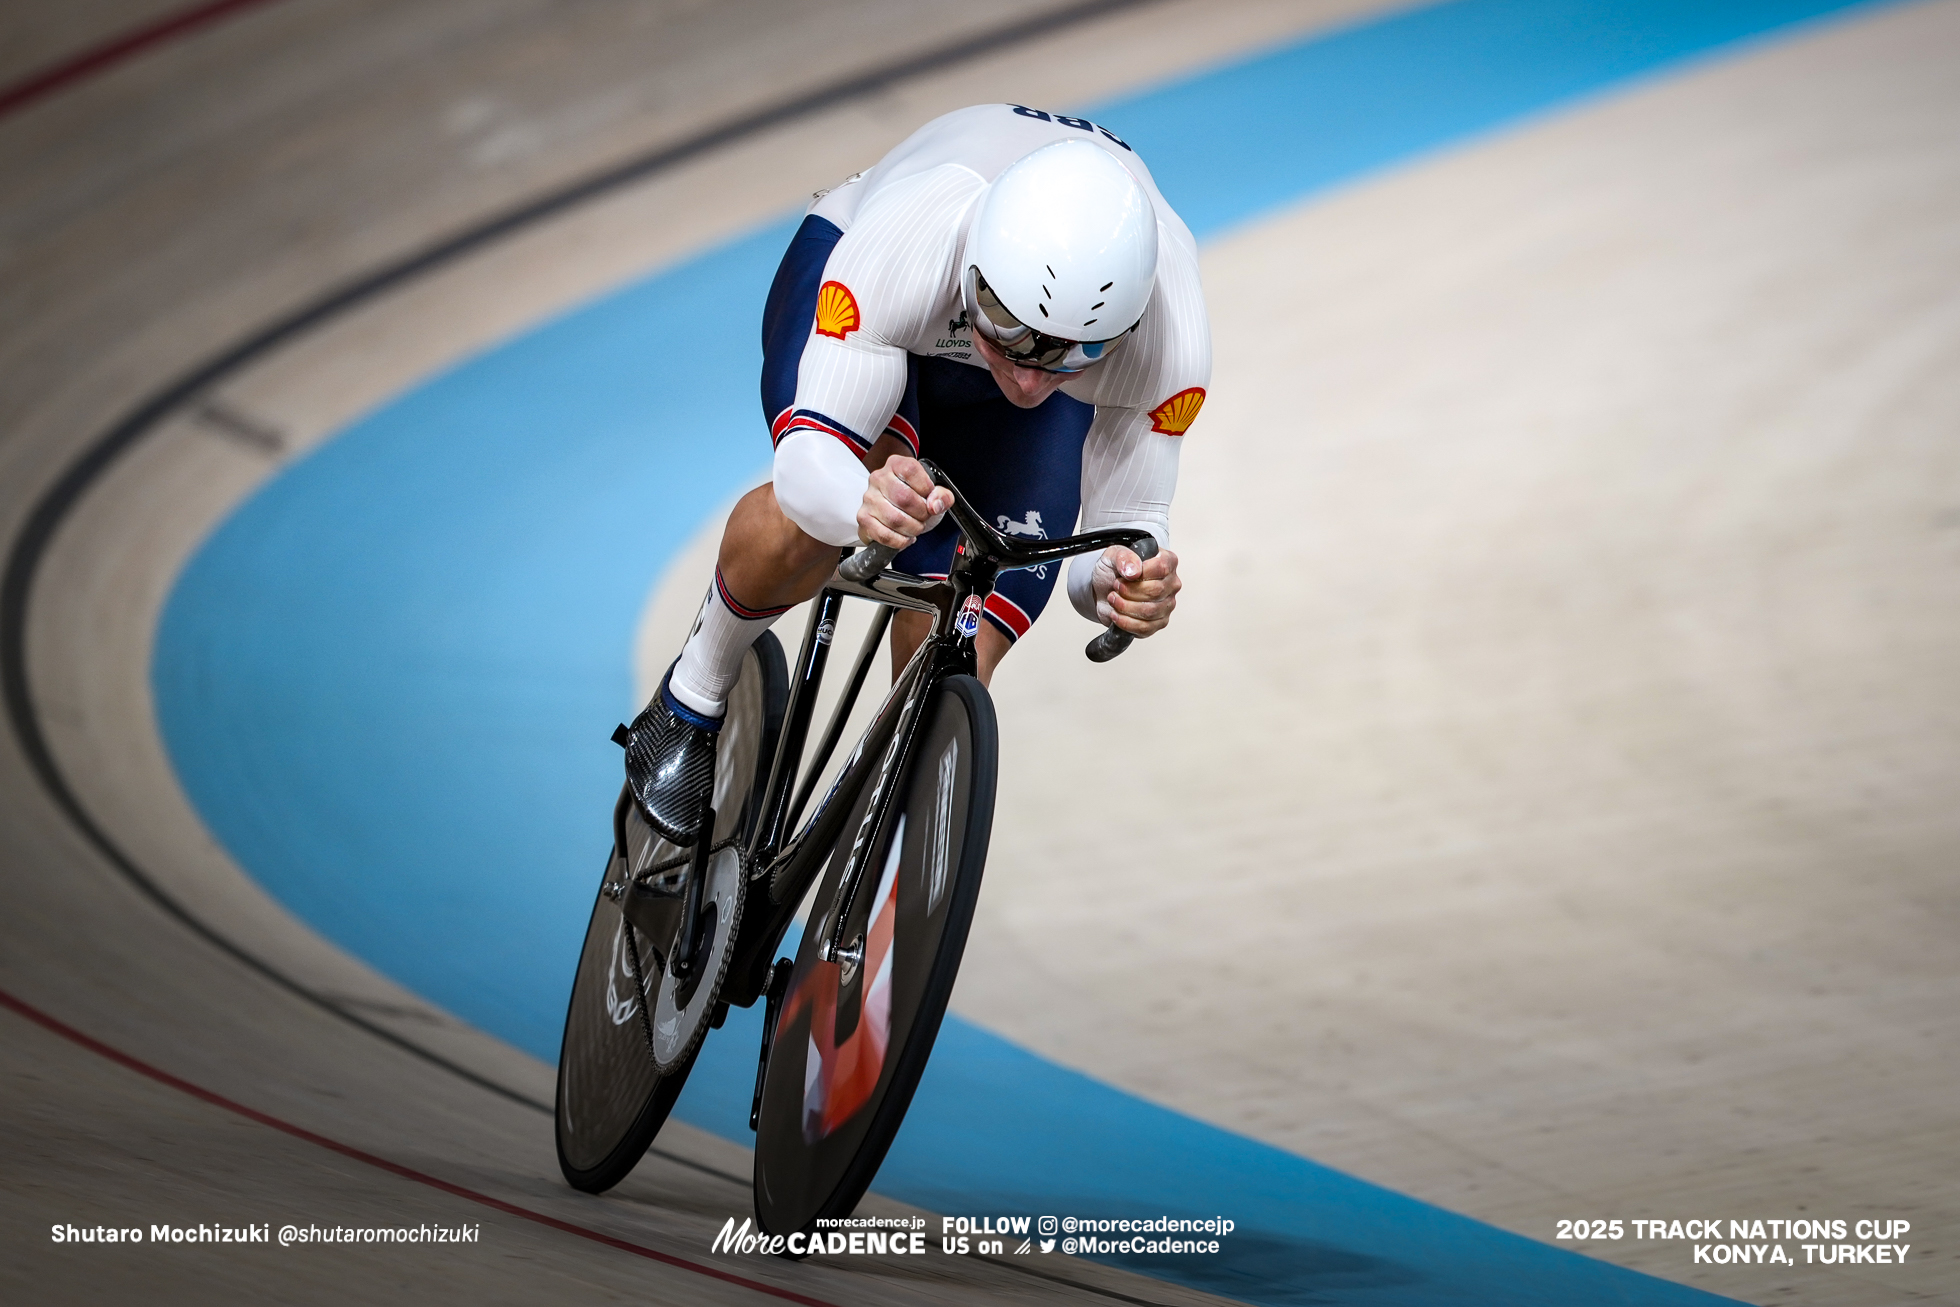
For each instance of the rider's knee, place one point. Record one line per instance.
(759, 524)
(991, 647)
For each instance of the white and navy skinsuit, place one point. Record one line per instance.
(865, 333)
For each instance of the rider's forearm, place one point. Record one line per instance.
(819, 485)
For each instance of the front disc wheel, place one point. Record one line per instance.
(853, 1036)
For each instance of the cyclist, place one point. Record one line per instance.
(1007, 293)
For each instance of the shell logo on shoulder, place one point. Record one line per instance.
(1175, 415)
(837, 310)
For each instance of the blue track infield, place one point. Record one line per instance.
(387, 680)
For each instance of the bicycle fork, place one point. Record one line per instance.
(833, 949)
(946, 649)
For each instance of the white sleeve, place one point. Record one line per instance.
(819, 486)
(847, 391)
(1146, 400)
(1129, 473)
(882, 285)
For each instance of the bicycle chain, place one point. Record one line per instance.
(641, 878)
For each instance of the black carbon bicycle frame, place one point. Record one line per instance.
(781, 865)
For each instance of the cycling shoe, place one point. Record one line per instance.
(670, 765)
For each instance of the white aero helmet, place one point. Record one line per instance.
(1062, 257)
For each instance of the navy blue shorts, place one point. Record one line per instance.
(1022, 468)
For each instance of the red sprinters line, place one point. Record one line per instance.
(117, 49)
(163, 1077)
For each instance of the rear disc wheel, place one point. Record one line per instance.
(612, 1096)
(681, 1007)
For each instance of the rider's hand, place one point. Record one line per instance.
(900, 504)
(1135, 595)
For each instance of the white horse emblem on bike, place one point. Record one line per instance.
(1029, 528)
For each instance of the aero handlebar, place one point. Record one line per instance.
(862, 567)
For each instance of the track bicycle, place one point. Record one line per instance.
(895, 847)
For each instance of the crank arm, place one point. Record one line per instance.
(697, 876)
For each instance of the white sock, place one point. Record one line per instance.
(712, 658)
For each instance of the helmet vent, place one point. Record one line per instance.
(1043, 308)
(1051, 271)
(1105, 286)
(1098, 304)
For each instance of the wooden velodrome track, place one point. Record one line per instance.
(1576, 766)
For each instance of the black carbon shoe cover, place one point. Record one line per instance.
(670, 765)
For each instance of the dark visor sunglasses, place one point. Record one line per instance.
(1025, 347)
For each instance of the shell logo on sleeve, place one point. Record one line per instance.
(1175, 415)
(837, 310)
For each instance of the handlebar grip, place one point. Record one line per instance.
(1107, 645)
(863, 567)
(1112, 641)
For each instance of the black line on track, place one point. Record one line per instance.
(30, 545)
